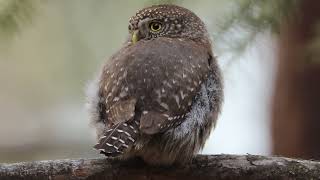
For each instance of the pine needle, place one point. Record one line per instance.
(14, 14)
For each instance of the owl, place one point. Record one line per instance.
(159, 96)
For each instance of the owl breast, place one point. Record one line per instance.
(161, 75)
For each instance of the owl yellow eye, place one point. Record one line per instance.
(155, 26)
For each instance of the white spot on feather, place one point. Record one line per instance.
(195, 83)
(177, 100)
(164, 105)
(120, 140)
(166, 115)
(158, 93)
(120, 131)
(184, 75)
(131, 139)
(167, 84)
(182, 95)
(114, 138)
(123, 94)
(125, 145)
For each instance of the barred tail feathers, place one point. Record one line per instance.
(118, 138)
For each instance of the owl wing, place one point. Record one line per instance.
(178, 69)
(153, 122)
(121, 130)
(121, 111)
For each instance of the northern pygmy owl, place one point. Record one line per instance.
(159, 96)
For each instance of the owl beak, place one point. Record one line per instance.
(135, 36)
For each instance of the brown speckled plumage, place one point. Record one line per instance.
(160, 97)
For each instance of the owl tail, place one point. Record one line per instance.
(118, 138)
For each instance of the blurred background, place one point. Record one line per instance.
(269, 51)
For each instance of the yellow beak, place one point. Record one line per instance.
(135, 37)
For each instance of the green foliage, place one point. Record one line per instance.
(14, 14)
(260, 15)
(251, 17)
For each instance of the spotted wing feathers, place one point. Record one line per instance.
(121, 111)
(154, 122)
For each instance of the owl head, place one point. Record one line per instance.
(166, 21)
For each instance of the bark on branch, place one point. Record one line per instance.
(202, 168)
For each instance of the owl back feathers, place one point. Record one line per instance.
(149, 88)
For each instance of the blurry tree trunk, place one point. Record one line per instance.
(296, 104)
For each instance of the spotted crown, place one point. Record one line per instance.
(180, 22)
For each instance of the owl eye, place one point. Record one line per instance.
(155, 26)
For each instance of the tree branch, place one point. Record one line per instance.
(203, 167)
